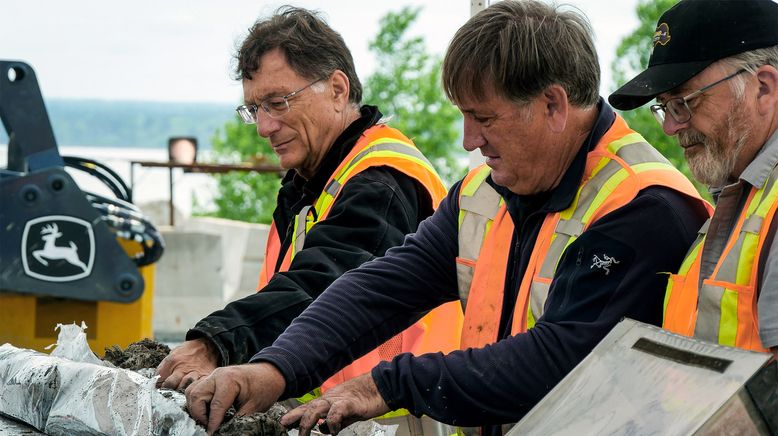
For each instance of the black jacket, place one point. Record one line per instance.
(500, 382)
(374, 212)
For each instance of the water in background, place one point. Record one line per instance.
(151, 189)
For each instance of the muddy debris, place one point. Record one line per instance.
(145, 353)
(257, 424)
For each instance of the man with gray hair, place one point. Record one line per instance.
(355, 187)
(565, 230)
(714, 74)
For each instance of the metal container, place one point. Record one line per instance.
(642, 380)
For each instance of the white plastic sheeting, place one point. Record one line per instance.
(60, 396)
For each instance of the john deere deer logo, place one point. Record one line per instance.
(50, 250)
(58, 248)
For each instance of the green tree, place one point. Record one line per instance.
(632, 58)
(406, 87)
(244, 196)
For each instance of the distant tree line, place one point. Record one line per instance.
(145, 124)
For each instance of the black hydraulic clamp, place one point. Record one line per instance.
(54, 241)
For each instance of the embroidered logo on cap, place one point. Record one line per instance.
(662, 34)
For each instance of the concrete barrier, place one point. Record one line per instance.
(207, 263)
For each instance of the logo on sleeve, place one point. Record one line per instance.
(605, 263)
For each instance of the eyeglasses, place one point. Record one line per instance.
(678, 107)
(275, 107)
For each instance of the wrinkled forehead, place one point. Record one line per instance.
(273, 77)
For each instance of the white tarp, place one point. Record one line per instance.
(60, 396)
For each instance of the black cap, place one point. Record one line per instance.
(694, 34)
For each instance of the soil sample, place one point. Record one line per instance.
(145, 353)
(257, 424)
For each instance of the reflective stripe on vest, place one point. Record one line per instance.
(378, 152)
(379, 145)
(440, 329)
(724, 310)
(619, 167)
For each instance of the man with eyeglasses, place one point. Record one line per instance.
(714, 74)
(564, 231)
(355, 188)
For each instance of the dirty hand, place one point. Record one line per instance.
(252, 387)
(355, 400)
(187, 363)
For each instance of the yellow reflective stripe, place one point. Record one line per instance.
(488, 222)
(690, 258)
(728, 320)
(309, 223)
(391, 154)
(765, 206)
(310, 396)
(754, 204)
(759, 206)
(469, 189)
(530, 317)
(631, 138)
(648, 166)
(394, 414)
(600, 165)
(745, 260)
(618, 177)
(482, 173)
(326, 199)
(668, 291)
(605, 192)
(688, 261)
(568, 213)
(388, 140)
(294, 238)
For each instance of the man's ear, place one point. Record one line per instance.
(340, 89)
(556, 107)
(767, 95)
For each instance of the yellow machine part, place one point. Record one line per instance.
(28, 321)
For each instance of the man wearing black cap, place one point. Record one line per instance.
(714, 74)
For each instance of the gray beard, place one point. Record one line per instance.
(715, 163)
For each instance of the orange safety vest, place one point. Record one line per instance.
(621, 165)
(723, 308)
(379, 145)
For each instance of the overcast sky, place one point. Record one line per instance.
(180, 50)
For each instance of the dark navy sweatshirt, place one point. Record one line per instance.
(501, 382)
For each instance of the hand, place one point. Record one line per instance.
(187, 363)
(252, 387)
(355, 400)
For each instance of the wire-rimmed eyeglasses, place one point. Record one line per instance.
(678, 107)
(275, 107)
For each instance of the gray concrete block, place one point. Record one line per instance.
(191, 265)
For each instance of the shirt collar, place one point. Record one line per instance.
(757, 172)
